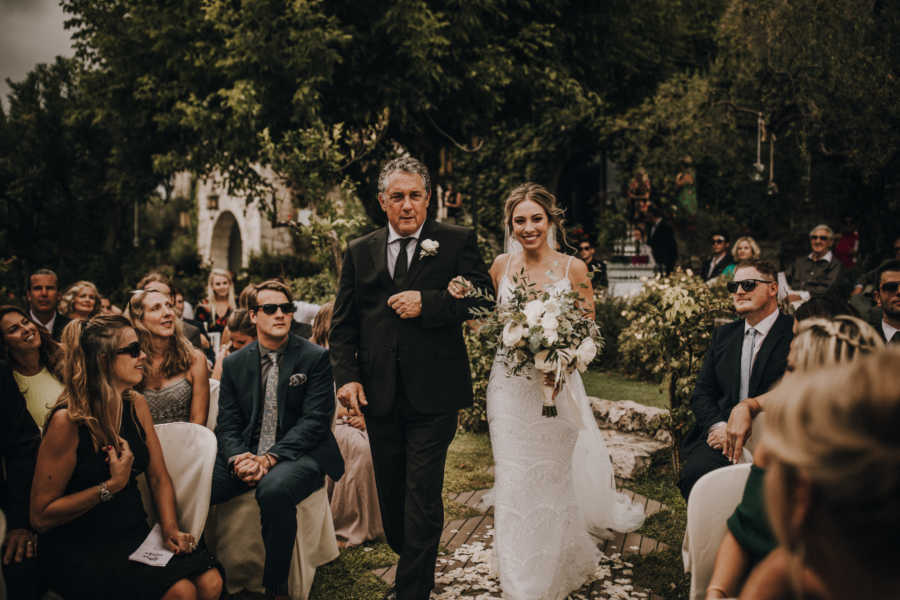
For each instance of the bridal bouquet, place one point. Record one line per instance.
(543, 329)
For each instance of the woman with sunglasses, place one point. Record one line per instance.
(820, 343)
(35, 358)
(176, 379)
(85, 500)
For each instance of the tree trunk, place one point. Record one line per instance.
(674, 404)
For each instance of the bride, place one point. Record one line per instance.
(554, 484)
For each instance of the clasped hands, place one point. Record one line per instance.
(730, 437)
(251, 468)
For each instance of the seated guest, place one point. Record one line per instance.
(276, 402)
(19, 439)
(354, 499)
(719, 259)
(213, 311)
(242, 331)
(887, 297)
(819, 343)
(596, 267)
(85, 501)
(832, 485)
(81, 300)
(157, 282)
(745, 358)
(176, 381)
(745, 248)
(42, 294)
(818, 272)
(35, 358)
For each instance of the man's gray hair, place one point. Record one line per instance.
(40, 272)
(407, 164)
(822, 226)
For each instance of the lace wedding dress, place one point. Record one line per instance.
(553, 484)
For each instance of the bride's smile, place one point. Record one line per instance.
(530, 224)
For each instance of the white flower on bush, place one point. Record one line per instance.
(585, 353)
(533, 311)
(513, 332)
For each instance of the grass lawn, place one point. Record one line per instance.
(612, 385)
(350, 577)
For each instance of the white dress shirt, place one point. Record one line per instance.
(48, 325)
(393, 247)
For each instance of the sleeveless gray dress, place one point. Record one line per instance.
(172, 403)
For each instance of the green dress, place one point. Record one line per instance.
(749, 524)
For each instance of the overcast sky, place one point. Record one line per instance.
(31, 32)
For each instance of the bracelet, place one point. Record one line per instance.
(753, 405)
(715, 588)
(105, 494)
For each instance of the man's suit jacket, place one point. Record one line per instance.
(305, 407)
(58, 325)
(662, 243)
(717, 270)
(19, 440)
(718, 384)
(372, 345)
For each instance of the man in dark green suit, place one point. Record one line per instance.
(276, 404)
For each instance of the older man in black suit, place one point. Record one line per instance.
(399, 356)
(276, 404)
(745, 359)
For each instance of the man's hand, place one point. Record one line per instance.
(357, 421)
(19, 545)
(737, 431)
(407, 305)
(250, 468)
(716, 437)
(351, 396)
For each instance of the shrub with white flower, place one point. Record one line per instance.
(670, 325)
(546, 330)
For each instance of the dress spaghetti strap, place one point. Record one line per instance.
(568, 264)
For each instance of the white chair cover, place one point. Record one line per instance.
(235, 538)
(190, 454)
(712, 501)
(213, 413)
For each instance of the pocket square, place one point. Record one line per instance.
(297, 379)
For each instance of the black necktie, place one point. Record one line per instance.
(401, 267)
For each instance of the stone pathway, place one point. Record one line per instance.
(463, 566)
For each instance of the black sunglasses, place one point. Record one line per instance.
(133, 350)
(286, 307)
(718, 241)
(748, 284)
(890, 287)
(820, 237)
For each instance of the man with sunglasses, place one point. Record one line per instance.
(887, 296)
(819, 272)
(596, 267)
(719, 259)
(745, 358)
(276, 402)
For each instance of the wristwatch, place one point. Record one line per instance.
(105, 494)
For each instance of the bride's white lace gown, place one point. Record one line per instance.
(541, 540)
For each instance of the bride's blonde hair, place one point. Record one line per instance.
(546, 200)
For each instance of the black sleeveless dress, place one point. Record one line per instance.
(88, 557)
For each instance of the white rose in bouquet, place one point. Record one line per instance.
(513, 332)
(552, 307)
(533, 311)
(542, 364)
(585, 353)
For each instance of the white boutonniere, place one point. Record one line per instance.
(428, 248)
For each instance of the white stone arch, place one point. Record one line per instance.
(226, 245)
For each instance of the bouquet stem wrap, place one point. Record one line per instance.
(549, 409)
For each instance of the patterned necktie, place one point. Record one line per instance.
(401, 267)
(270, 408)
(746, 361)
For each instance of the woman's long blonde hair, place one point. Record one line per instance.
(838, 429)
(88, 393)
(179, 354)
(823, 342)
(211, 295)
